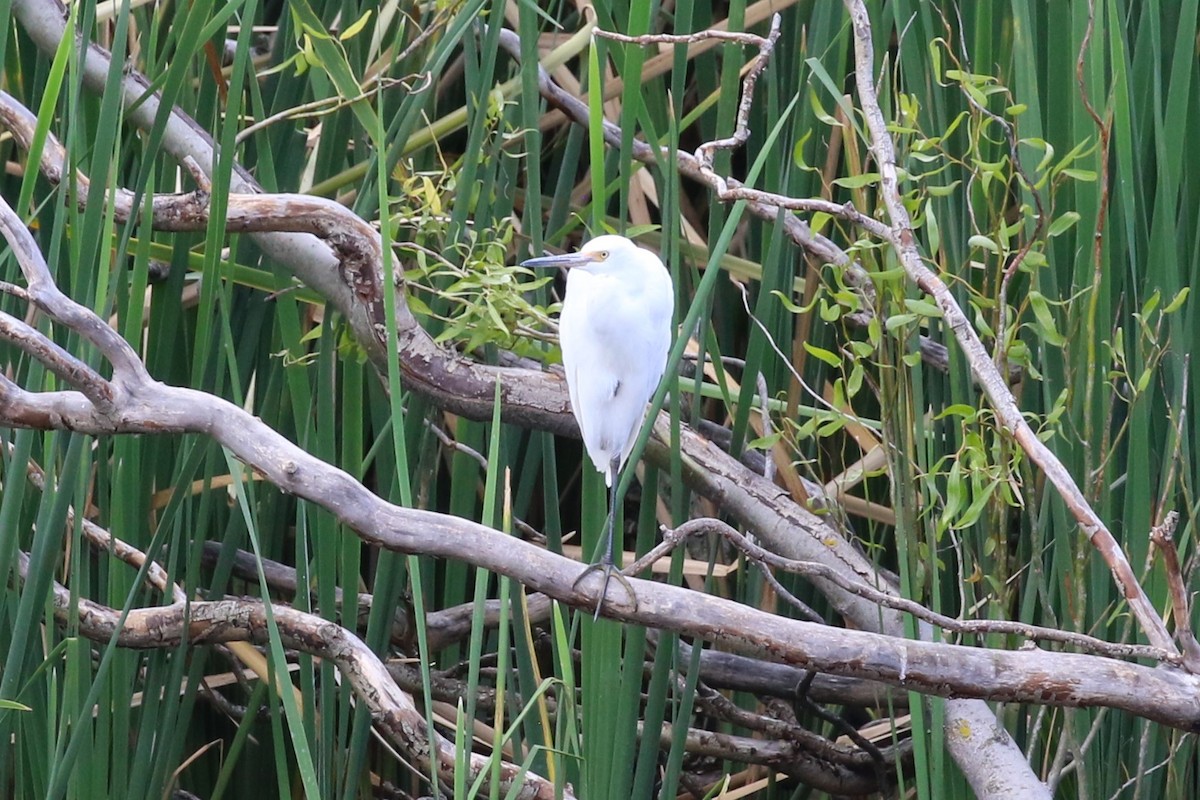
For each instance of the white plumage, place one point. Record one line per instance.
(615, 331)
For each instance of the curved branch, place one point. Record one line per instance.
(200, 623)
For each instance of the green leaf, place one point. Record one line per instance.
(787, 302)
(854, 382)
(943, 191)
(857, 181)
(1084, 175)
(356, 27)
(1177, 301)
(983, 242)
(824, 355)
(897, 321)
(830, 312)
(1045, 319)
(925, 308)
(1151, 303)
(958, 410)
(765, 442)
(931, 228)
(896, 275)
(1064, 223)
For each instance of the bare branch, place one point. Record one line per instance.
(200, 623)
(811, 569)
(1164, 537)
(59, 361)
(902, 239)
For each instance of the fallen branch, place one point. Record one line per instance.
(221, 621)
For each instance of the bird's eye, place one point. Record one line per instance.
(604, 254)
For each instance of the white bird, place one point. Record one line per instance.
(615, 332)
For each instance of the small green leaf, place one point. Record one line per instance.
(1034, 259)
(356, 27)
(765, 442)
(983, 242)
(1083, 175)
(824, 355)
(819, 111)
(419, 307)
(857, 181)
(1046, 148)
(854, 383)
(972, 513)
(798, 153)
(1177, 301)
(923, 307)
(1063, 224)
(1045, 319)
(1151, 303)
(943, 191)
(958, 410)
(831, 427)
(932, 229)
(1144, 379)
(863, 349)
(787, 302)
(895, 275)
(956, 495)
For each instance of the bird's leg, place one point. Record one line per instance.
(606, 551)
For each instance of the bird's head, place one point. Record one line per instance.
(603, 255)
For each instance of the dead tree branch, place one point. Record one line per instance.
(220, 621)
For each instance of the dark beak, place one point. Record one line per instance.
(566, 261)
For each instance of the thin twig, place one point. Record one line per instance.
(688, 38)
(59, 361)
(1163, 536)
(104, 541)
(812, 569)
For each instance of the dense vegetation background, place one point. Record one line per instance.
(1047, 159)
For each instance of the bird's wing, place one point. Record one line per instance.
(651, 331)
(610, 373)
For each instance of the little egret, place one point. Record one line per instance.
(615, 331)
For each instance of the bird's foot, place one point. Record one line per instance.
(610, 571)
